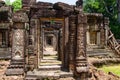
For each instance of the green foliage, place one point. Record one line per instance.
(108, 8)
(17, 4)
(91, 6)
(113, 68)
(115, 27)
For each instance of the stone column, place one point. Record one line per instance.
(18, 35)
(72, 41)
(106, 25)
(6, 33)
(98, 38)
(44, 44)
(88, 37)
(18, 44)
(37, 43)
(54, 40)
(57, 41)
(66, 39)
(35, 56)
(59, 45)
(81, 65)
(102, 35)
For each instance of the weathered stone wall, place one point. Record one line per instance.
(28, 3)
(5, 24)
(95, 30)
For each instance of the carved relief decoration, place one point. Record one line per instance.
(81, 58)
(18, 43)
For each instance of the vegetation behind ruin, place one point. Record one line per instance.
(109, 8)
(111, 68)
(17, 4)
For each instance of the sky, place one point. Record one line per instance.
(72, 2)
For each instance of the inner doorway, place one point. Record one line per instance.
(51, 39)
(93, 37)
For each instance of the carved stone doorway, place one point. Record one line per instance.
(52, 41)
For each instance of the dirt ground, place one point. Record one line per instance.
(3, 66)
(95, 74)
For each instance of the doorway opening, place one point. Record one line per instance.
(93, 37)
(51, 39)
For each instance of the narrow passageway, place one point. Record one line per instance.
(50, 57)
(51, 39)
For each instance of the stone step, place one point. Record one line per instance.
(99, 52)
(5, 57)
(64, 74)
(16, 66)
(52, 75)
(15, 71)
(42, 75)
(17, 63)
(49, 67)
(3, 49)
(30, 78)
(50, 62)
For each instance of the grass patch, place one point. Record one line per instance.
(112, 68)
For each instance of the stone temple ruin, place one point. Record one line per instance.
(45, 40)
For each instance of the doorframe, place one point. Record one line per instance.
(63, 29)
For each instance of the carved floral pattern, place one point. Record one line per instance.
(18, 43)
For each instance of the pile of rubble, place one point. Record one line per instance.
(98, 62)
(3, 66)
(96, 74)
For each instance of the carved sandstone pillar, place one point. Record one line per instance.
(18, 44)
(81, 57)
(72, 41)
(18, 37)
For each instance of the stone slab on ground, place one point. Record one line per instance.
(48, 74)
(14, 71)
(49, 67)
